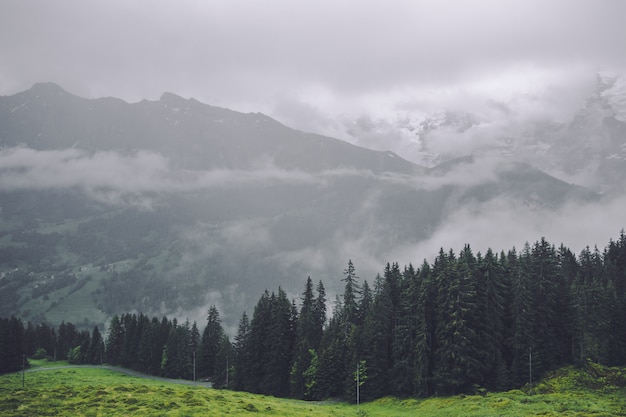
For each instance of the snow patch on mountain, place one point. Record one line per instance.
(615, 94)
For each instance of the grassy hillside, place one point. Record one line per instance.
(592, 391)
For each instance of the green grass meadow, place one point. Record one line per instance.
(99, 392)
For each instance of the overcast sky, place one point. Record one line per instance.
(337, 53)
(326, 66)
(315, 65)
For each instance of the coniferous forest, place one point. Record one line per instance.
(465, 322)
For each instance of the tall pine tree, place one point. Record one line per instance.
(210, 345)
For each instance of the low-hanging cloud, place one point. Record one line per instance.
(502, 224)
(141, 172)
(149, 172)
(499, 223)
(428, 127)
(26, 168)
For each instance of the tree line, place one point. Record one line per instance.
(19, 341)
(462, 323)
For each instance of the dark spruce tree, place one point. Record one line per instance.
(425, 332)
(597, 299)
(522, 315)
(242, 353)
(224, 365)
(151, 345)
(378, 337)
(615, 292)
(95, 352)
(544, 273)
(350, 310)
(457, 357)
(319, 313)
(11, 344)
(66, 340)
(373, 350)
(404, 358)
(306, 341)
(272, 340)
(332, 360)
(176, 361)
(130, 346)
(258, 345)
(209, 345)
(115, 341)
(194, 339)
(491, 293)
(282, 336)
(45, 339)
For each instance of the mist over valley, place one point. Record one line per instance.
(171, 206)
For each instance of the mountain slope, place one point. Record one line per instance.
(192, 134)
(171, 206)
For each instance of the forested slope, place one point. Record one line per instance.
(464, 322)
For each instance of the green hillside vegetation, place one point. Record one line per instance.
(591, 390)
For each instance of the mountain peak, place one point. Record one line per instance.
(47, 88)
(171, 97)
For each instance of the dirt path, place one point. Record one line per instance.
(127, 372)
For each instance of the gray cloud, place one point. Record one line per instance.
(245, 53)
(25, 168)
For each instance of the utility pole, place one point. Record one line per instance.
(194, 367)
(530, 369)
(358, 386)
(360, 368)
(227, 371)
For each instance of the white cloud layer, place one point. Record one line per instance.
(142, 172)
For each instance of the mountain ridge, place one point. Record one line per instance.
(189, 122)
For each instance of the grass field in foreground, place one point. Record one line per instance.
(99, 392)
